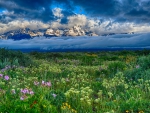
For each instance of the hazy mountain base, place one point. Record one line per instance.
(81, 50)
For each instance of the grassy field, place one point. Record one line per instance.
(75, 82)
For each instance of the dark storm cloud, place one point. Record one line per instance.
(5, 19)
(35, 9)
(31, 9)
(138, 15)
(136, 10)
(33, 4)
(119, 10)
(99, 7)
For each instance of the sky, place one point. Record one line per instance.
(99, 16)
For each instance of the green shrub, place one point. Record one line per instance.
(144, 62)
(56, 98)
(8, 57)
(140, 71)
(114, 67)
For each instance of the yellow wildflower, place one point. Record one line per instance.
(127, 111)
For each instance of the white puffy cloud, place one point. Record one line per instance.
(57, 12)
(17, 24)
(102, 27)
(77, 20)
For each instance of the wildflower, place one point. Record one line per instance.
(22, 98)
(14, 66)
(6, 77)
(81, 99)
(25, 91)
(43, 83)
(127, 111)
(3, 70)
(137, 66)
(54, 95)
(65, 104)
(1, 75)
(7, 67)
(67, 80)
(31, 92)
(110, 94)
(13, 91)
(48, 84)
(44, 106)
(141, 111)
(36, 83)
(97, 100)
(115, 100)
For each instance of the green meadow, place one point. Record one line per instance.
(75, 82)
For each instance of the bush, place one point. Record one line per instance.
(141, 71)
(8, 57)
(115, 67)
(144, 62)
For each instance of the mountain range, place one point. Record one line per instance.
(26, 33)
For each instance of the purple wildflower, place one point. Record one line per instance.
(48, 84)
(54, 95)
(3, 70)
(137, 66)
(31, 92)
(22, 98)
(1, 75)
(7, 67)
(25, 91)
(22, 91)
(6, 77)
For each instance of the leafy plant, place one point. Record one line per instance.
(56, 98)
(115, 67)
(8, 57)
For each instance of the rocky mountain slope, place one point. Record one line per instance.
(27, 33)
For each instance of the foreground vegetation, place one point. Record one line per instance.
(100, 82)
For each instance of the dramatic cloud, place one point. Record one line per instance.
(120, 10)
(102, 26)
(31, 9)
(19, 24)
(116, 41)
(57, 12)
(98, 26)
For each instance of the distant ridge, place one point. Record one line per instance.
(80, 50)
(26, 33)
